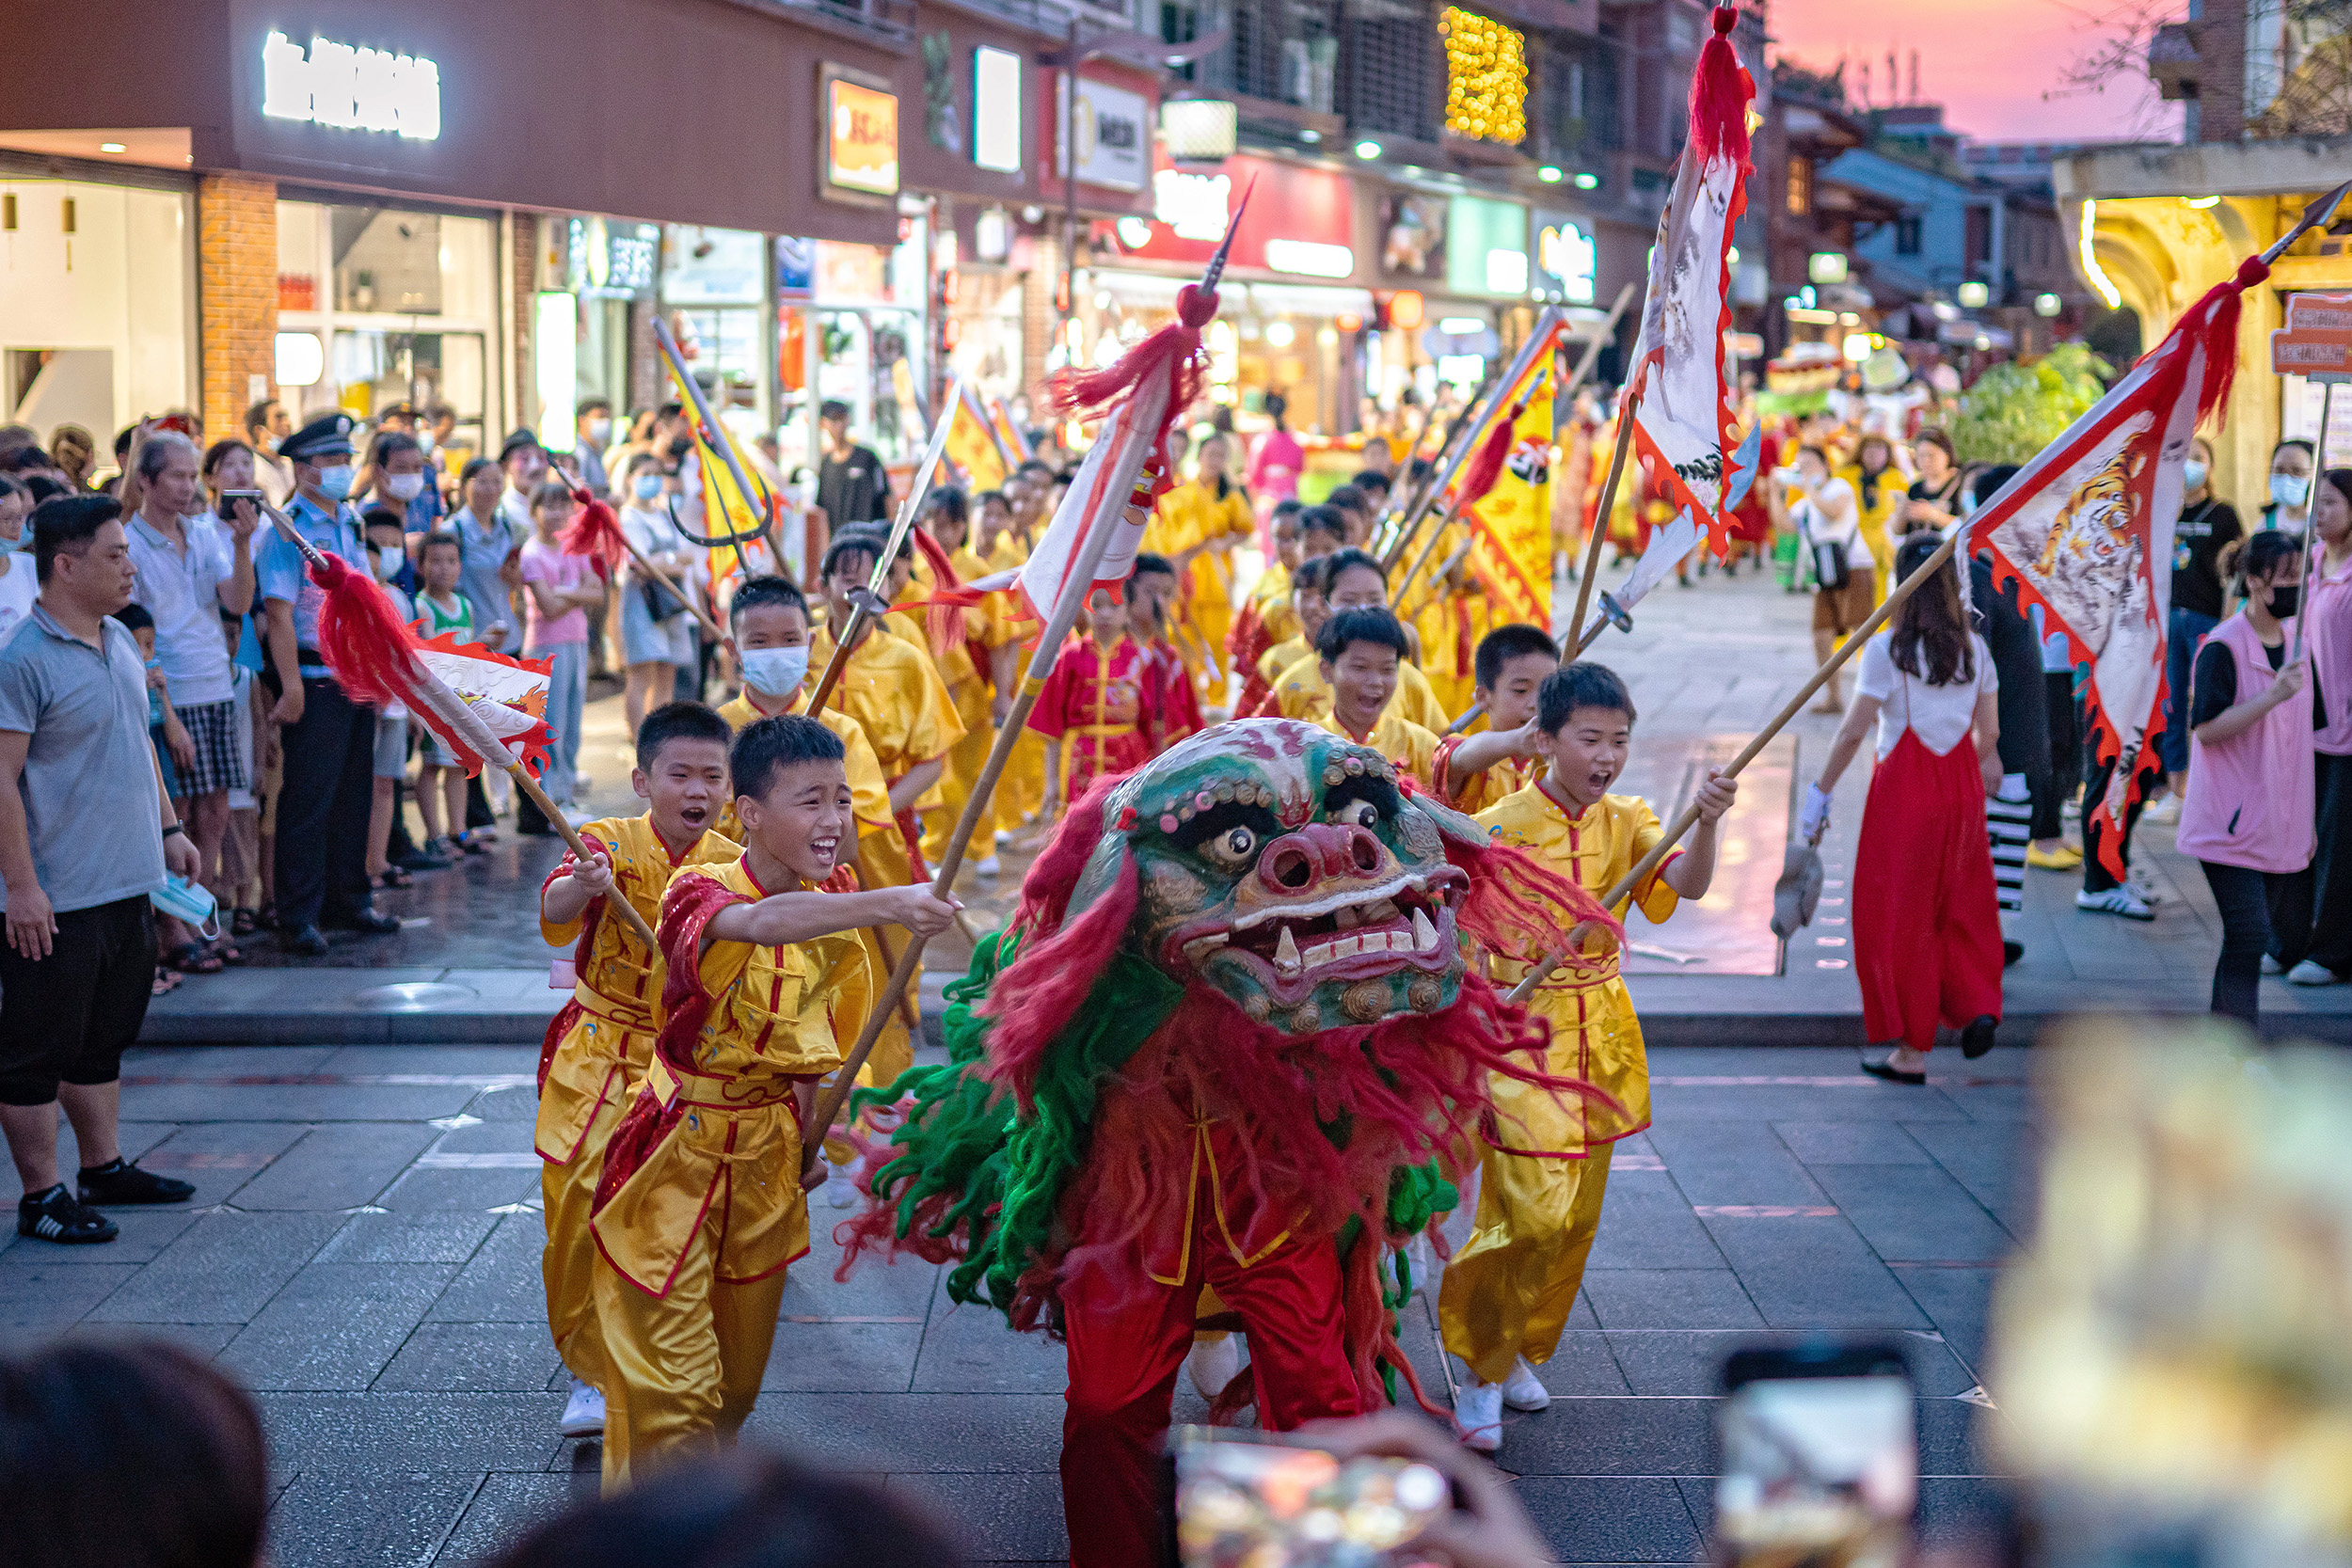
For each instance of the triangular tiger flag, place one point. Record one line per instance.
(972, 445)
(1685, 403)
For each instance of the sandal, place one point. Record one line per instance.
(165, 982)
(244, 921)
(393, 876)
(266, 917)
(228, 954)
(192, 958)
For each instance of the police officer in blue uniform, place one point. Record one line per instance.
(328, 739)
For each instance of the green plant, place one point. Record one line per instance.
(2014, 410)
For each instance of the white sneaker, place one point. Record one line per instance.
(2142, 883)
(840, 1188)
(584, 1413)
(1478, 1411)
(2272, 966)
(1004, 839)
(2116, 900)
(987, 866)
(1523, 1389)
(1212, 1364)
(2166, 810)
(2311, 971)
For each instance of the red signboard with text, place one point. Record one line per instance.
(1299, 223)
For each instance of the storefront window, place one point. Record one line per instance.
(715, 279)
(865, 336)
(405, 303)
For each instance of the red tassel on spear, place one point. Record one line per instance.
(596, 532)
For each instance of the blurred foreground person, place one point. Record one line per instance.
(133, 1454)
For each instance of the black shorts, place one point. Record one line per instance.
(68, 1017)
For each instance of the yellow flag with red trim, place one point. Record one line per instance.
(973, 448)
(1511, 555)
(726, 510)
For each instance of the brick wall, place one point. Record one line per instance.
(2222, 59)
(236, 289)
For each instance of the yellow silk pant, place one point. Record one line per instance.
(966, 759)
(1508, 1292)
(590, 1084)
(882, 862)
(687, 1364)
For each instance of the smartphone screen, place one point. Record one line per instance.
(1821, 1457)
(1262, 1501)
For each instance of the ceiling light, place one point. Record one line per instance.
(1310, 137)
(1279, 334)
(1135, 232)
(2202, 201)
(1550, 174)
(112, 147)
(1587, 181)
(1367, 150)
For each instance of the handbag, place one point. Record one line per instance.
(660, 604)
(1829, 558)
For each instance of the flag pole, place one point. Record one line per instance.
(2311, 513)
(1464, 434)
(1626, 402)
(1688, 817)
(453, 711)
(861, 611)
(714, 437)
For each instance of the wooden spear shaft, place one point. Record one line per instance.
(1124, 470)
(1600, 517)
(1689, 815)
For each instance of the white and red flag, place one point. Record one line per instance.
(1685, 403)
(2085, 530)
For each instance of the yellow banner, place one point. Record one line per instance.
(725, 509)
(1512, 555)
(972, 448)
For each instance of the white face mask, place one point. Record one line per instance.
(776, 672)
(599, 431)
(2289, 490)
(404, 487)
(388, 565)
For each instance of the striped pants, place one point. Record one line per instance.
(2008, 823)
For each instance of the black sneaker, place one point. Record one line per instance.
(122, 1182)
(54, 1216)
(1977, 1039)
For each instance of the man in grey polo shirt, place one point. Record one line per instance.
(86, 834)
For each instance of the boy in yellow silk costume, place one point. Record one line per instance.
(977, 666)
(1477, 770)
(598, 1046)
(701, 1205)
(1362, 652)
(1508, 1291)
(891, 688)
(1198, 525)
(1353, 580)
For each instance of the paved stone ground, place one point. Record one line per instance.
(363, 1253)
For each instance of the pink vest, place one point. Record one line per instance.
(2250, 797)
(2328, 624)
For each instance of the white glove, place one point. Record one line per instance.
(1814, 822)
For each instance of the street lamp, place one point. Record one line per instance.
(1974, 294)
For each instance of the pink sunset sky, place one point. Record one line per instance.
(1990, 63)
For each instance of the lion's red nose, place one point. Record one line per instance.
(1319, 851)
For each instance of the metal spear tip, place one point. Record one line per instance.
(1225, 246)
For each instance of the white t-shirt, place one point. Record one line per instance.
(1940, 715)
(18, 591)
(1825, 518)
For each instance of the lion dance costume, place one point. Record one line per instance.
(1234, 1039)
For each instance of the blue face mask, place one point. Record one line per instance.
(648, 486)
(336, 483)
(24, 540)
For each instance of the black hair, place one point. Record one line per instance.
(133, 1453)
(833, 408)
(766, 745)
(2256, 555)
(1313, 574)
(219, 450)
(2338, 478)
(11, 485)
(982, 499)
(755, 592)
(2293, 441)
(465, 475)
(733, 1511)
(1146, 561)
(1583, 684)
(391, 444)
(65, 525)
(1347, 498)
(1931, 638)
(383, 516)
(1986, 482)
(1340, 560)
(862, 541)
(442, 537)
(42, 488)
(951, 500)
(135, 617)
(679, 722)
(1360, 625)
(552, 493)
(1323, 520)
(1370, 479)
(17, 460)
(1505, 643)
(1289, 507)
(257, 417)
(591, 405)
(1035, 465)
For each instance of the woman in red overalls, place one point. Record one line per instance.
(1927, 932)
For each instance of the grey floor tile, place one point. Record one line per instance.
(877, 1286)
(1850, 1142)
(1583, 1364)
(449, 1060)
(336, 1167)
(844, 1357)
(410, 1238)
(224, 1268)
(335, 1325)
(503, 1512)
(295, 1102)
(1677, 1106)
(145, 1233)
(478, 1190)
(325, 1521)
(1742, 1161)
(1609, 1437)
(1813, 1274)
(503, 1282)
(1692, 1364)
(389, 1433)
(1959, 1302)
(49, 1298)
(1634, 1520)
(1646, 1223)
(1008, 1432)
(221, 1061)
(1996, 1165)
(499, 1102)
(472, 1358)
(220, 1158)
(1668, 1298)
(1916, 1214)
(486, 1136)
(994, 1518)
(971, 1350)
(1953, 1438)
(1964, 1510)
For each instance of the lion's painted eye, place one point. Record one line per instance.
(1359, 814)
(1231, 848)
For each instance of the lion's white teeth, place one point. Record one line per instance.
(1347, 918)
(1346, 947)
(1286, 951)
(1424, 934)
(1200, 947)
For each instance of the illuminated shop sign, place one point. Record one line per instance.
(861, 135)
(351, 89)
(1565, 255)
